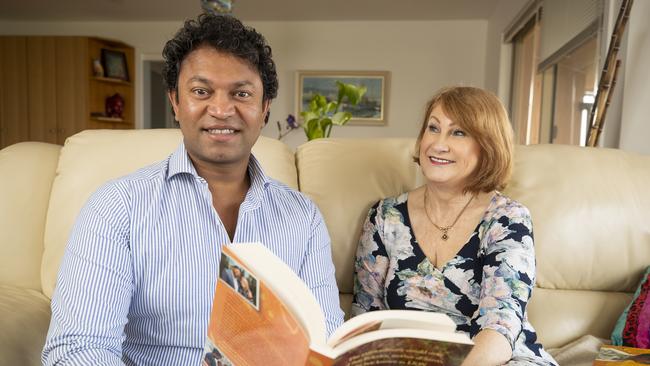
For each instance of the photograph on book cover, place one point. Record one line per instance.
(240, 280)
(212, 356)
(371, 109)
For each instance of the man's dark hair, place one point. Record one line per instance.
(225, 34)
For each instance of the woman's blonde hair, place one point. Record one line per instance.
(481, 115)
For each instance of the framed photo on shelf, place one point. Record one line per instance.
(371, 110)
(114, 63)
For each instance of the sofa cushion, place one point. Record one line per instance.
(23, 211)
(589, 209)
(24, 323)
(580, 352)
(92, 157)
(344, 177)
(562, 316)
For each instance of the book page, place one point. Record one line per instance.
(391, 319)
(394, 348)
(249, 324)
(620, 355)
(286, 285)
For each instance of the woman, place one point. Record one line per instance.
(457, 245)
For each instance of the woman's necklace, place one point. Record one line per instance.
(444, 229)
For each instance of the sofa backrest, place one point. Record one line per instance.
(344, 177)
(590, 210)
(90, 158)
(22, 211)
(589, 206)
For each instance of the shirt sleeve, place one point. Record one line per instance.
(370, 265)
(318, 272)
(508, 274)
(94, 286)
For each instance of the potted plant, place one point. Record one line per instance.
(322, 114)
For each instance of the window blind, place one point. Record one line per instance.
(564, 21)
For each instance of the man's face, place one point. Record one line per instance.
(236, 272)
(220, 107)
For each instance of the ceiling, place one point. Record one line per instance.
(258, 10)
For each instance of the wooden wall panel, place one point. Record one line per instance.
(72, 74)
(14, 112)
(48, 90)
(41, 81)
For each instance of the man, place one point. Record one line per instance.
(136, 282)
(228, 275)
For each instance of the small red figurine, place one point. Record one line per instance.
(114, 106)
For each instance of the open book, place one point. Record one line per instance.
(263, 314)
(620, 355)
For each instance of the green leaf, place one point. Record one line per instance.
(308, 115)
(331, 107)
(361, 91)
(341, 93)
(351, 92)
(355, 93)
(324, 124)
(314, 130)
(313, 103)
(327, 128)
(341, 118)
(321, 101)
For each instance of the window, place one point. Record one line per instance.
(554, 78)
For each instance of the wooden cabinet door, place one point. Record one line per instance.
(41, 81)
(72, 73)
(14, 112)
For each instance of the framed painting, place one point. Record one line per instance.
(371, 110)
(114, 63)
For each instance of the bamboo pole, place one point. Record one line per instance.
(609, 98)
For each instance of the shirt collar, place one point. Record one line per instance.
(180, 163)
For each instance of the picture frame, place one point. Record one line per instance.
(371, 111)
(114, 63)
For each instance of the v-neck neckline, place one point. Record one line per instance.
(416, 242)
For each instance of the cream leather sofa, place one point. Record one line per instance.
(590, 209)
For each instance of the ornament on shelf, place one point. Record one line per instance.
(114, 106)
(98, 69)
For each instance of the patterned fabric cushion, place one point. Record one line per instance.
(633, 327)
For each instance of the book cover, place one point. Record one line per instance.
(619, 355)
(263, 313)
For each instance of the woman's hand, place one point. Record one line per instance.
(491, 348)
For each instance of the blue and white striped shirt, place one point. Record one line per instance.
(137, 279)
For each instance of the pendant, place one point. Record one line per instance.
(445, 236)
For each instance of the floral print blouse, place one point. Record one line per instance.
(485, 286)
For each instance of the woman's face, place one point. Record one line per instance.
(448, 155)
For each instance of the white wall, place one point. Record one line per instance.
(626, 124)
(422, 56)
(635, 123)
(497, 53)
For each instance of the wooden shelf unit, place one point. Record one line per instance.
(107, 119)
(101, 88)
(48, 91)
(111, 80)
